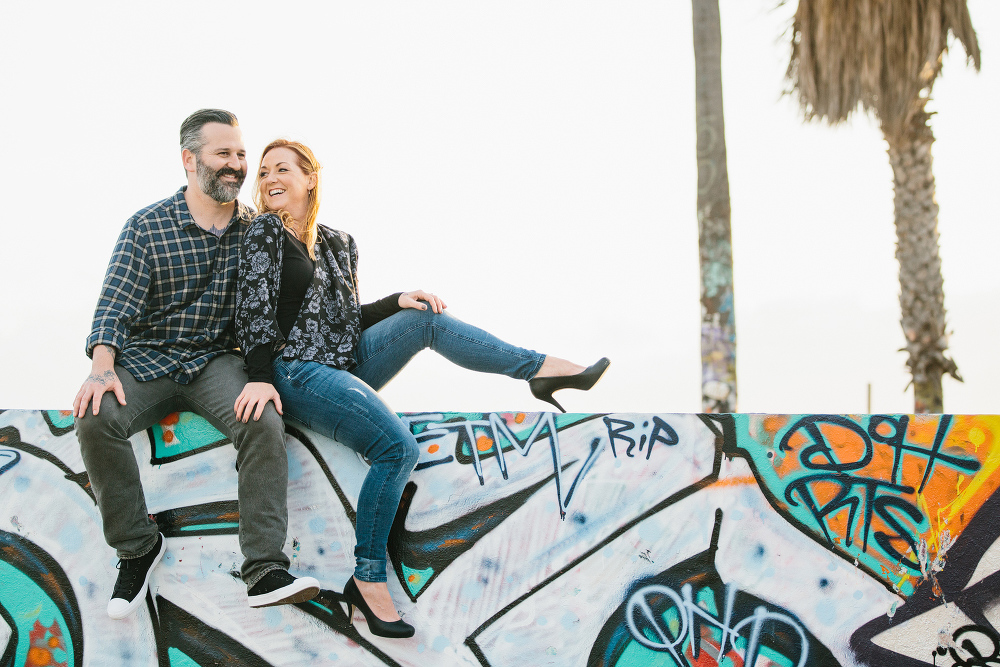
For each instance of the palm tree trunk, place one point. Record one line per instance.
(718, 321)
(921, 294)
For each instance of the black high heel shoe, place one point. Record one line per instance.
(542, 388)
(395, 629)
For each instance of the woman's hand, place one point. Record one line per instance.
(413, 299)
(256, 394)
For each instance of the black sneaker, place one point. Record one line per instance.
(279, 587)
(133, 578)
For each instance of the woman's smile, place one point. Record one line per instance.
(283, 183)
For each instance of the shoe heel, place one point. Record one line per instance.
(393, 629)
(551, 399)
(543, 388)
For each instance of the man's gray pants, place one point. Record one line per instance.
(260, 460)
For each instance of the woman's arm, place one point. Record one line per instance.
(376, 311)
(258, 285)
(257, 328)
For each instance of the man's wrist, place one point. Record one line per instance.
(103, 359)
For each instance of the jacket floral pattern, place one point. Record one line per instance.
(328, 325)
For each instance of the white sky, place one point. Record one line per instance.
(532, 162)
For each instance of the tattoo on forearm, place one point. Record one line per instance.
(104, 379)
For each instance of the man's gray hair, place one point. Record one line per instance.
(191, 136)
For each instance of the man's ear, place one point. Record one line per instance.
(189, 161)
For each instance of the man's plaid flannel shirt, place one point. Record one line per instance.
(169, 295)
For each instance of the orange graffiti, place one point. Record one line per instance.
(484, 443)
(774, 423)
(872, 490)
(737, 481)
(884, 429)
(43, 639)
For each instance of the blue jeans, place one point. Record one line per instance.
(344, 405)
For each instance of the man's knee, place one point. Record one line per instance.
(94, 429)
(269, 430)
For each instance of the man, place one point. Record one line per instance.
(162, 341)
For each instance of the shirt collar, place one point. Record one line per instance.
(241, 213)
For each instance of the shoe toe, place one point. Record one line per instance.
(119, 608)
(306, 589)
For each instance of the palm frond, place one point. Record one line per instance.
(878, 55)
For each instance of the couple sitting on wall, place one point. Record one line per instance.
(243, 319)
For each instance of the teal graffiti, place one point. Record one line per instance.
(38, 602)
(182, 434)
(179, 658)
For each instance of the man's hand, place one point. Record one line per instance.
(256, 394)
(102, 378)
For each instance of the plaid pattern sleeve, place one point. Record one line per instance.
(168, 297)
(126, 286)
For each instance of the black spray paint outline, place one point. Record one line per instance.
(733, 449)
(962, 558)
(711, 478)
(175, 627)
(702, 567)
(11, 437)
(45, 572)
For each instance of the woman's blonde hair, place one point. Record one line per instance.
(309, 165)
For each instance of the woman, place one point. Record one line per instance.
(311, 346)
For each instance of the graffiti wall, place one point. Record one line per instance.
(612, 540)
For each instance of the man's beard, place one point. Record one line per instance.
(211, 184)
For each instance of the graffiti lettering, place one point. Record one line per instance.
(874, 505)
(970, 639)
(820, 456)
(662, 432)
(887, 506)
(479, 439)
(643, 621)
(874, 486)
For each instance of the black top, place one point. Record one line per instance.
(297, 272)
(296, 276)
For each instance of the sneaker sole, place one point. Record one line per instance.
(301, 590)
(131, 607)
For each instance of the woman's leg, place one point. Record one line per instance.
(388, 346)
(340, 406)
